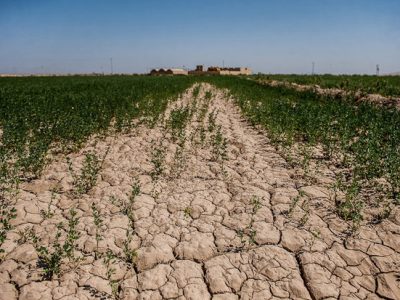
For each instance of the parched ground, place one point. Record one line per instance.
(215, 213)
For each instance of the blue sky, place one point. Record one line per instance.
(271, 36)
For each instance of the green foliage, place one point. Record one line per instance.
(256, 203)
(177, 121)
(158, 160)
(384, 85)
(50, 258)
(130, 255)
(7, 213)
(88, 177)
(98, 222)
(361, 136)
(196, 91)
(350, 208)
(219, 145)
(40, 113)
(109, 260)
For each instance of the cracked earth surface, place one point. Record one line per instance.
(205, 229)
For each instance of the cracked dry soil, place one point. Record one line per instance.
(206, 228)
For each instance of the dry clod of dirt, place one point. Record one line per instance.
(199, 207)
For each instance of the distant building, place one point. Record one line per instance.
(168, 72)
(200, 71)
(229, 71)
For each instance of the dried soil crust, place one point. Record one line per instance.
(218, 231)
(335, 92)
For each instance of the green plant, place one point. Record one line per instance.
(178, 120)
(47, 214)
(50, 258)
(109, 260)
(219, 146)
(187, 212)
(196, 91)
(252, 236)
(212, 116)
(356, 136)
(351, 208)
(293, 204)
(25, 235)
(128, 207)
(135, 190)
(256, 203)
(61, 112)
(130, 254)
(179, 162)
(6, 215)
(72, 234)
(88, 177)
(157, 159)
(240, 234)
(98, 222)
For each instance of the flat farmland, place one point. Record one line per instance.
(186, 187)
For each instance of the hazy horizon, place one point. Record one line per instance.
(60, 37)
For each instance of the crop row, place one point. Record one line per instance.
(384, 85)
(363, 140)
(37, 114)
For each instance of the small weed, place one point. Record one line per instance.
(196, 91)
(87, 179)
(177, 121)
(240, 234)
(50, 258)
(25, 235)
(351, 208)
(187, 212)
(179, 162)
(208, 95)
(294, 202)
(212, 121)
(98, 222)
(158, 160)
(256, 203)
(304, 219)
(6, 215)
(219, 146)
(72, 234)
(130, 254)
(47, 214)
(252, 236)
(109, 260)
(135, 190)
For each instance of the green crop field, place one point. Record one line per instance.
(384, 85)
(36, 113)
(40, 114)
(116, 145)
(363, 139)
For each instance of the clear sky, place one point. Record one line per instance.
(271, 36)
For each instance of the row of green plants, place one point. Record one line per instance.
(361, 140)
(369, 84)
(38, 114)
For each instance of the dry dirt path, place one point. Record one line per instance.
(207, 227)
